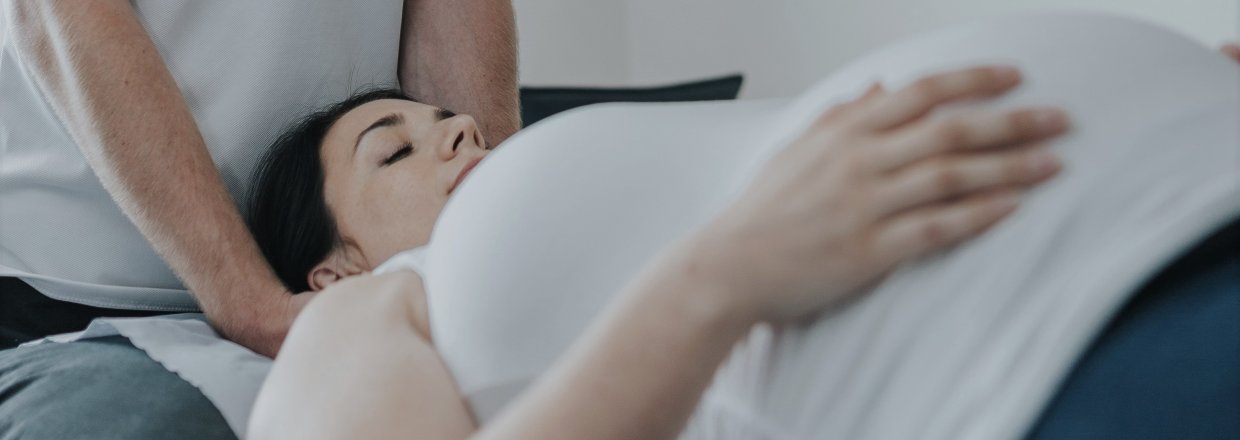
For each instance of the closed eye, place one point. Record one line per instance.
(401, 153)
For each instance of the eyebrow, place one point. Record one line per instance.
(386, 121)
(397, 119)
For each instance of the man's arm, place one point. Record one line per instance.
(104, 78)
(462, 55)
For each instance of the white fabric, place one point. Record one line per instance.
(969, 345)
(966, 345)
(246, 70)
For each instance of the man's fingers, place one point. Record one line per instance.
(964, 132)
(922, 231)
(955, 176)
(914, 101)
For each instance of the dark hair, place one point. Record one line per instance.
(288, 214)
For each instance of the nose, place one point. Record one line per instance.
(460, 132)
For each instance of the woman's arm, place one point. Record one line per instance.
(357, 366)
(105, 80)
(462, 55)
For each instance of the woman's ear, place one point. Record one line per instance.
(335, 268)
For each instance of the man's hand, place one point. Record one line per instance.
(1232, 50)
(102, 75)
(263, 326)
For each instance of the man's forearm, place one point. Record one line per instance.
(105, 80)
(462, 55)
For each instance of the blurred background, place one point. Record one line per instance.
(781, 46)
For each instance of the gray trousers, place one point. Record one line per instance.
(99, 389)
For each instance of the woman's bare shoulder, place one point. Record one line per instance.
(359, 341)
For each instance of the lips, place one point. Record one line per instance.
(464, 172)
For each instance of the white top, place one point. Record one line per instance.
(550, 227)
(246, 70)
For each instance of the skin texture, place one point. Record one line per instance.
(462, 55)
(105, 80)
(908, 184)
(103, 77)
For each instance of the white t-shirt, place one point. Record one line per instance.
(246, 70)
(547, 230)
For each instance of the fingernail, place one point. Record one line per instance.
(1007, 73)
(1049, 119)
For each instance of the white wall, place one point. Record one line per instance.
(573, 42)
(782, 46)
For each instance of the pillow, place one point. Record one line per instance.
(540, 102)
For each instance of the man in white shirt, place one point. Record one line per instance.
(155, 96)
(128, 131)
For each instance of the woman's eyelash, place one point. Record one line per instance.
(400, 153)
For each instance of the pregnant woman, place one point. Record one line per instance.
(730, 270)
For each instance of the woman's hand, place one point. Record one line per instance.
(1232, 50)
(874, 183)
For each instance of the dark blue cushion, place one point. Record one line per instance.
(538, 103)
(1168, 366)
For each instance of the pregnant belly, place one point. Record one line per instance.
(553, 225)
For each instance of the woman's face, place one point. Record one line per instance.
(389, 168)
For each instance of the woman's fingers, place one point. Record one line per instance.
(835, 113)
(955, 176)
(914, 101)
(964, 132)
(1232, 50)
(925, 230)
